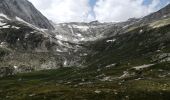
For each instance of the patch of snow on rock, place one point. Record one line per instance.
(97, 91)
(3, 44)
(82, 39)
(112, 65)
(82, 28)
(108, 78)
(58, 50)
(7, 26)
(32, 26)
(141, 31)
(16, 67)
(60, 37)
(125, 74)
(113, 40)
(79, 35)
(65, 63)
(15, 27)
(60, 43)
(5, 16)
(143, 66)
(165, 16)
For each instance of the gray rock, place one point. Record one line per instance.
(24, 10)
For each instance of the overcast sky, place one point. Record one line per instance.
(102, 10)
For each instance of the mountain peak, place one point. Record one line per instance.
(24, 10)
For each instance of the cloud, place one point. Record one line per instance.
(103, 10)
(121, 10)
(65, 10)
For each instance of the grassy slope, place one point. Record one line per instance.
(66, 84)
(132, 48)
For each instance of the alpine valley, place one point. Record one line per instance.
(43, 60)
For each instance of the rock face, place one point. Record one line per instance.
(27, 46)
(81, 32)
(6, 71)
(24, 10)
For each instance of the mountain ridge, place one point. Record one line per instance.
(26, 11)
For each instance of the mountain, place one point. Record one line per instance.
(80, 32)
(91, 61)
(26, 11)
(36, 48)
(138, 41)
(69, 44)
(161, 14)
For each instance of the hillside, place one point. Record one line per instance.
(82, 61)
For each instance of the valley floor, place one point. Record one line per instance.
(114, 83)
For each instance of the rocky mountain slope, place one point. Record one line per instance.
(72, 44)
(29, 43)
(29, 47)
(26, 11)
(161, 14)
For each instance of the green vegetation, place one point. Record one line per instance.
(133, 48)
(160, 23)
(80, 84)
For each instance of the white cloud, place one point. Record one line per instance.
(104, 10)
(121, 10)
(65, 10)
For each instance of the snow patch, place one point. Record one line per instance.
(7, 26)
(125, 74)
(60, 37)
(141, 31)
(82, 39)
(5, 16)
(108, 78)
(97, 91)
(3, 44)
(112, 65)
(15, 27)
(165, 16)
(82, 28)
(65, 63)
(143, 66)
(32, 32)
(75, 40)
(125, 26)
(15, 67)
(58, 50)
(79, 35)
(60, 43)
(32, 26)
(113, 40)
